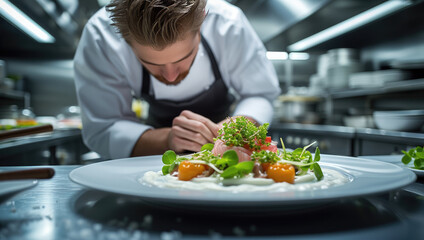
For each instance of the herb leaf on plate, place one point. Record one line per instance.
(238, 170)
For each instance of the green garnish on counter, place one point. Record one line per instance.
(417, 154)
(240, 132)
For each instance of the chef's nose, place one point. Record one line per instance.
(170, 72)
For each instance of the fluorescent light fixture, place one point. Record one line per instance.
(299, 56)
(277, 55)
(350, 24)
(24, 23)
(284, 55)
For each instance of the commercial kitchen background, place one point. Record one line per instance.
(316, 47)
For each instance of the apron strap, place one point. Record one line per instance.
(145, 83)
(212, 58)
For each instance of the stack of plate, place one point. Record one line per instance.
(376, 78)
(405, 120)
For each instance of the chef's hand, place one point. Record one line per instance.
(190, 131)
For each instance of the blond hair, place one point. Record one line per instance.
(156, 23)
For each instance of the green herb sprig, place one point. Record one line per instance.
(303, 159)
(417, 154)
(241, 132)
(265, 157)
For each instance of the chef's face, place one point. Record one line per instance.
(171, 64)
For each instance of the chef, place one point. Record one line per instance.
(194, 62)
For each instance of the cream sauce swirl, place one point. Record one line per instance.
(246, 184)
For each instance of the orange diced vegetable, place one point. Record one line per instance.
(188, 170)
(281, 173)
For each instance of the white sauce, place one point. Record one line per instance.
(246, 184)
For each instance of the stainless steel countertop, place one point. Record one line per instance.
(60, 209)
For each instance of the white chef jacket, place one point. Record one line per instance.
(108, 74)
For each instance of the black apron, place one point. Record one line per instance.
(213, 103)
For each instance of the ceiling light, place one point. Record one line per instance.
(24, 23)
(284, 55)
(277, 55)
(299, 56)
(350, 24)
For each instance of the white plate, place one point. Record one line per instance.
(397, 160)
(121, 176)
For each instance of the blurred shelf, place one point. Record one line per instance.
(17, 95)
(390, 87)
(18, 98)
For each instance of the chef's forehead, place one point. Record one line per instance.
(171, 54)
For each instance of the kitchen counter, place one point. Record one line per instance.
(348, 141)
(347, 131)
(60, 209)
(53, 148)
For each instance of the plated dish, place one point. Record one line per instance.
(243, 170)
(241, 158)
(123, 176)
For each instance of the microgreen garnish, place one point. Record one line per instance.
(417, 154)
(303, 160)
(205, 155)
(265, 157)
(238, 170)
(241, 132)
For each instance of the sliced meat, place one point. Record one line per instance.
(220, 148)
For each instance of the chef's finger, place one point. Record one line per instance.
(194, 126)
(180, 145)
(189, 135)
(213, 127)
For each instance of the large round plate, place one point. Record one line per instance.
(121, 176)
